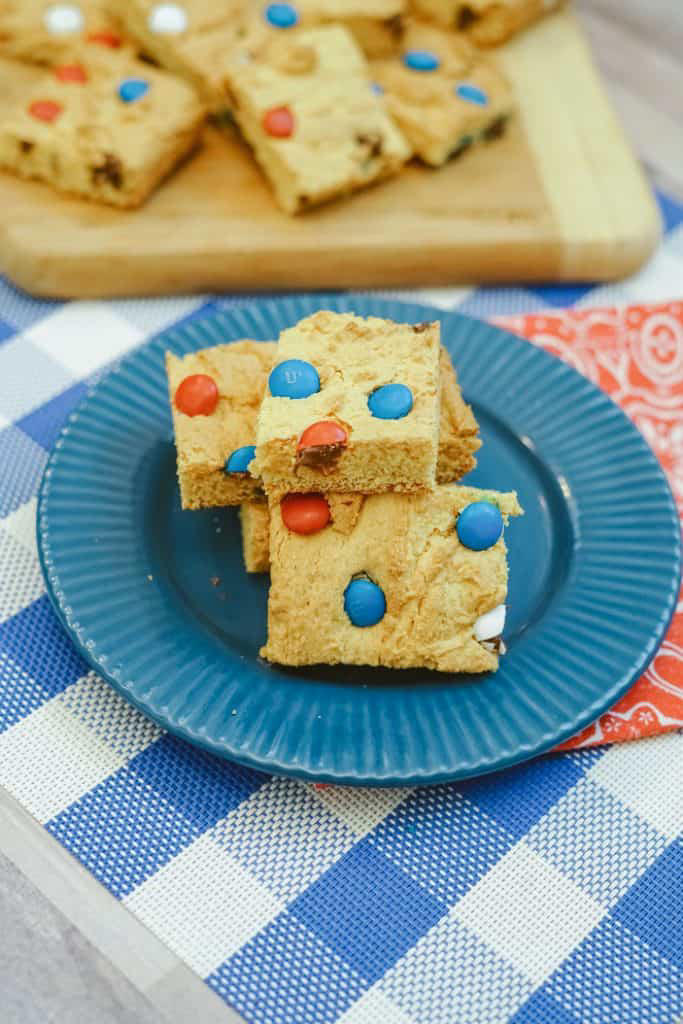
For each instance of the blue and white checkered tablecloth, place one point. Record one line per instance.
(551, 894)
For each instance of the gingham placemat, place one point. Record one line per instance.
(551, 894)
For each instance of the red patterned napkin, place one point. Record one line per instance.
(636, 356)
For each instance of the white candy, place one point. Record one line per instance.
(491, 624)
(63, 19)
(167, 19)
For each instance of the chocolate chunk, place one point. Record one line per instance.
(495, 129)
(464, 18)
(320, 456)
(373, 141)
(25, 146)
(396, 25)
(495, 645)
(424, 326)
(462, 145)
(109, 171)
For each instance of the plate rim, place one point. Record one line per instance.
(523, 752)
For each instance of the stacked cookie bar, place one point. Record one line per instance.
(341, 444)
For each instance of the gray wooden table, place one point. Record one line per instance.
(69, 953)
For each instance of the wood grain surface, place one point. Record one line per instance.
(559, 198)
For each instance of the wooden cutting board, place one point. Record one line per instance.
(561, 197)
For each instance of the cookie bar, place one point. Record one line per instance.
(418, 581)
(215, 397)
(46, 33)
(255, 525)
(352, 405)
(192, 39)
(486, 22)
(443, 94)
(106, 127)
(316, 126)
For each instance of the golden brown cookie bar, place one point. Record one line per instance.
(192, 39)
(105, 126)
(487, 22)
(205, 441)
(352, 405)
(307, 108)
(400, 588)
(255, 526)
(46, 33)
(443, 94)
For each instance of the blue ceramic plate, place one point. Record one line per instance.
(594, 568)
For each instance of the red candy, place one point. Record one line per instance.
(278, 122)
(197, 395)
(45, 110)
(71, 73)
(305, 513)
(105, 38)
(325, 432)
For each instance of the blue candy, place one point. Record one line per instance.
(364, 602)
(377, 88)
(281, 15)
(472, 94)
(421, 60)
(239, 461)
(391, 402)
(479, 525)
(132, 89)
(294, 379)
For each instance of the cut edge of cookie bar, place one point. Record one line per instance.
(62, 133)
(286, 101)
(354, 356)
(439, 595)
(255, 529)
(458, 432)
(203, 443)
